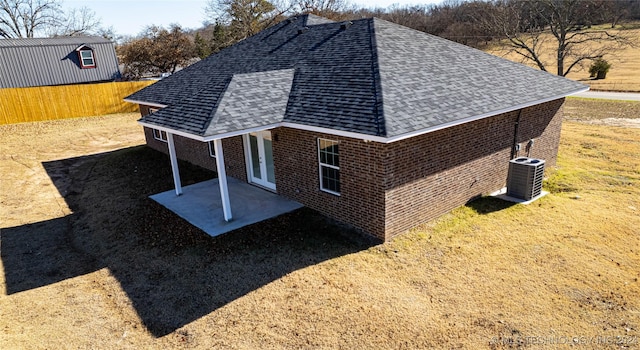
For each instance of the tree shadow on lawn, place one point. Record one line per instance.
(172, 272)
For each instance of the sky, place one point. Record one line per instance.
(130, 17)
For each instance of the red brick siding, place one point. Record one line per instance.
(234, 159)
(387, 189)
(193, 151)
(431, 174)
(542, 123)
(197, 153)
(361, 200)
(144, 110)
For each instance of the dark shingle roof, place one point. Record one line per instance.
(369, 77)
(53, 61)
(252, 100)
(428, 81)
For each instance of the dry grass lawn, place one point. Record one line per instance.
(625, 64)
(603, 112)
(89, 261)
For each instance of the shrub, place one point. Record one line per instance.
(599, 68)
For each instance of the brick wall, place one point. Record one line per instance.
(431, 174)
(197, 152)
(361, 200)
(387, 189)
(144, 110)
(542, 123)
(234, 159)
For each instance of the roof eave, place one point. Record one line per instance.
(481, 116)
(211, 137)
(150, 104)
(354, 135)
(171, 131)
(323, 130)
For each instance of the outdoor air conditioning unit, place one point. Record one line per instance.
(525, 178)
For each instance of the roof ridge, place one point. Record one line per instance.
(309, 19)
(48, 42)
(214, 109)
(378, 109)
(61, 38)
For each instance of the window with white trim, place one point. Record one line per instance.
(86, 58)
(212, 149)
(160, 135)
(329, 164)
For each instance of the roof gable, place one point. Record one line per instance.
(84, 47)
(370, 77)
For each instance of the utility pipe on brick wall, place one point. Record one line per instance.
(515, 135)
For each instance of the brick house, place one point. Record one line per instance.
(374, 124)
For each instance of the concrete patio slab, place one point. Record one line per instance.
(200, 205)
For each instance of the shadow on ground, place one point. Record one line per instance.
(487, 205)
(38, 254)
(172, 272)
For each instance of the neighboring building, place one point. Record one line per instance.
(56, 61)
(371, 123)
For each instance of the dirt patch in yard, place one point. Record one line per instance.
(25, 146)
(620, 122)
(89, 261)
(603, 112)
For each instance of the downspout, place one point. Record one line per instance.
(514, 147)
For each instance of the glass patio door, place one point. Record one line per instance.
(261, 168)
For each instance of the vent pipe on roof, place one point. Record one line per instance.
(345, 25)
(302, 30)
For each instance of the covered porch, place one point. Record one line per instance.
(226, 204)
(201, 205)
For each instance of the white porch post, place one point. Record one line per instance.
(222, 180)
(174, 164)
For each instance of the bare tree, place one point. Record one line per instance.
(331, 9)
(242, 18)
(615, 11)
(110, 34)
(526, 23)
(25, 18)
(78, 21)
(158, 50)
(415, 17)
(31, 18)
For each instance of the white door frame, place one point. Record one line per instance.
(261, 154)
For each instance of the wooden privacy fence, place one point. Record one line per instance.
(19, 105)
